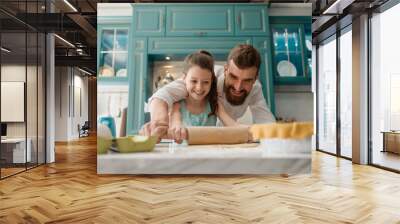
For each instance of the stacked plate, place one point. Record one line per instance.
(286, 68)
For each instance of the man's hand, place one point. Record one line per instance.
(155, 128)
(178, 133)
(158, 126)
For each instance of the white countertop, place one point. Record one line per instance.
(13, 140)
(206, 159)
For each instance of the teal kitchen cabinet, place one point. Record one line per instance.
(291, 57)
(112, 59)
(137, 86)
(263, 45)
(172, 30)
(149, 20)
(200, 20)
(251, 20)
(187, 45)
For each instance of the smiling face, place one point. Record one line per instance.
(238, 82)
(198, 82)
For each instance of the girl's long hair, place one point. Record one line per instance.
(204, 60)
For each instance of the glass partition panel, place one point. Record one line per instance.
(22, 88)
(327, 96)
(14, 153)
(41, 98)
(31, 98)
(385, 85)
(346, 94)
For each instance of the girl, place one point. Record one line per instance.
(201, 107)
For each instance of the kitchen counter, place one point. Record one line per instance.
(170, 158)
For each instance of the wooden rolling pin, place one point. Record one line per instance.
(217, 135)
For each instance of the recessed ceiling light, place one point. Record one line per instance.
(70, 5)
(64, 40)
(167, 58)
(337, 7)
(5, 49)
(84, 71)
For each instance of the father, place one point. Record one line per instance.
(238, 88)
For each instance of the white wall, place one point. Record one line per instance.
(112, 9)
(12, 73)
(290, 9)
(33, 126)
(80, 83)
(294, 102)
(276, 9)
(68, 82)
(61, 103)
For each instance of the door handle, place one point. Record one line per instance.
(201, 34)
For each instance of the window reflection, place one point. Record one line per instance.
(385, 85)
(113, 53)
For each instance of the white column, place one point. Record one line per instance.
(50, 101)
(360, 90)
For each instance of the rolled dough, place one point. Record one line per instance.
(217, 135)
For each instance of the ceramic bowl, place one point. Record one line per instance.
(136, 143)
(104, 139)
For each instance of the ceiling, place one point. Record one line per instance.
(77, 22)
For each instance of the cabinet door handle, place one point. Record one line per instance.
(239, 20)
(162, 20)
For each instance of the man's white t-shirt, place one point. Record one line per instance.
(176, 91)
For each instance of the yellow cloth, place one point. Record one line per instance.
(296, 130)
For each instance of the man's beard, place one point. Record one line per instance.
(234, 100)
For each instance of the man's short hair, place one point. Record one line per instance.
(245, 56)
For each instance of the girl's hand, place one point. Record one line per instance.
(178, 132)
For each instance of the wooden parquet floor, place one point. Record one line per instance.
(70, 191)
